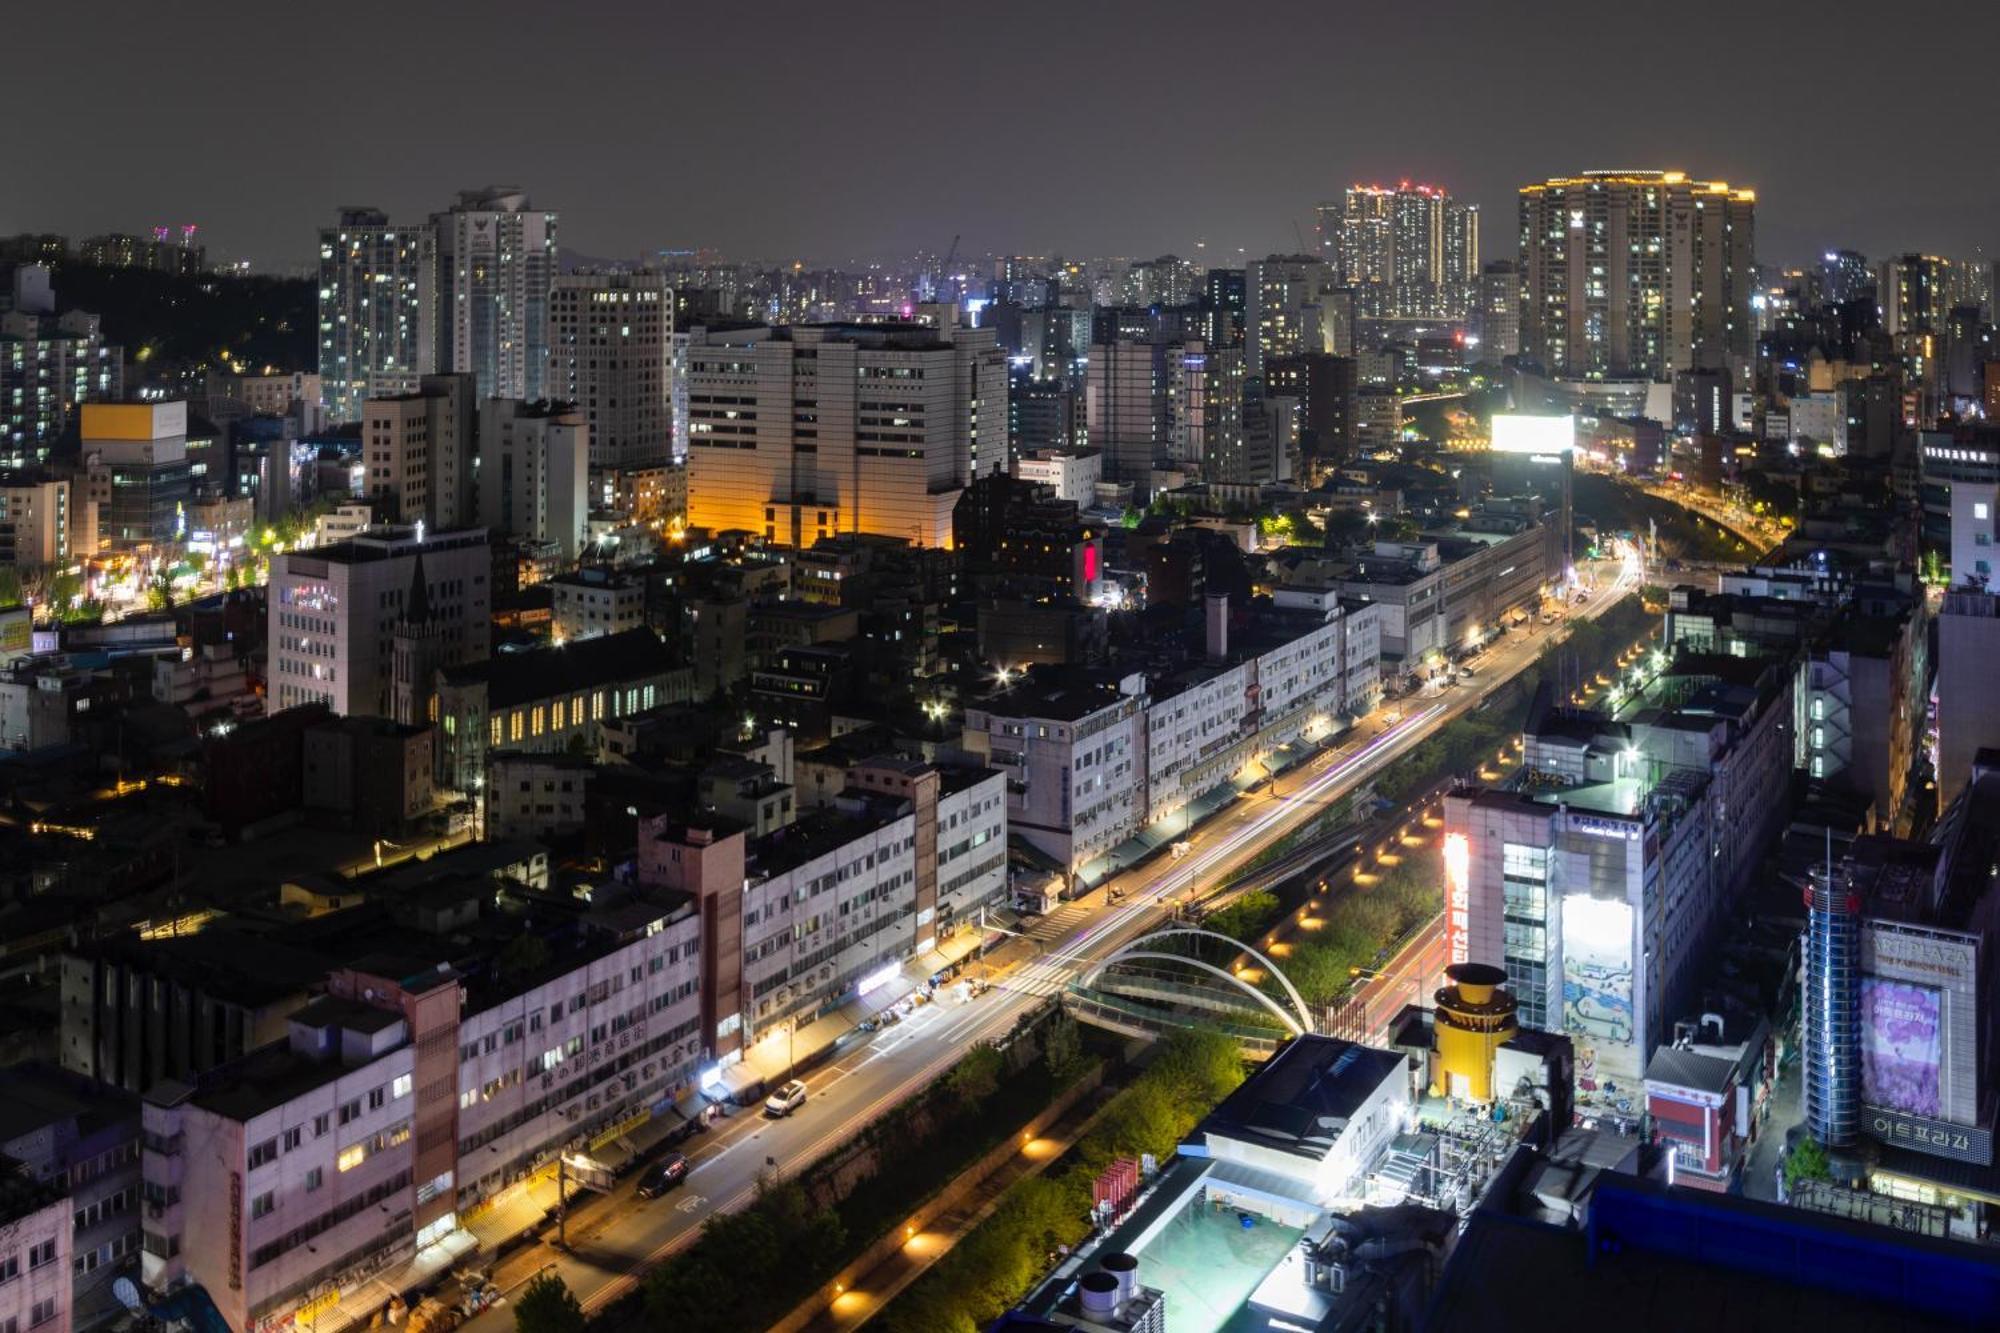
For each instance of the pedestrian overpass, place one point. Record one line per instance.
(1187, 977)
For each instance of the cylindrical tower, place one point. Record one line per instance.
(1831, 1001)
(1473, 1017)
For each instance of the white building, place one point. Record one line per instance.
(35, 1230)
(595, 601)
(534, 472)
(610, 350)
(377, 308)
(1073, 472)
(292, 1178)
(334, 612)
(496, 264)
(797, 433)
(1093, 764)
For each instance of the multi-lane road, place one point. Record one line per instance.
(613, 1239)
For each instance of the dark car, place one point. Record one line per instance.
(663, 1175)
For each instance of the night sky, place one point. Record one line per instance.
(843, 131)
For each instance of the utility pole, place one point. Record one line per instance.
(562, 1203)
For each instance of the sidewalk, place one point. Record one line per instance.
(869, 1291)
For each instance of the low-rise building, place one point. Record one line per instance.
(594, 602)
(35, 1251)
(548, 699)
(414, 1090)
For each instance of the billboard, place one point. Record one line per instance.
(1458, 895)
(1902, 1046)
(1519, 433)
(1597, 970)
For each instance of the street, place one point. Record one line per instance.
(614, 1239)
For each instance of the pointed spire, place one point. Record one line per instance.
(417, 607)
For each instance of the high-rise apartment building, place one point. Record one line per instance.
(1163, 404)
(36, 527)
(799, 432)
(496, 265)
(1637, 273)
(534, 472)
(1499, 310)
(1409, 251)
(419, 449)
(50, 365)
(611, 352)
(335, 612)
(377, 306)
(1283, 310)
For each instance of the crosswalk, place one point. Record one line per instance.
(1054, 925)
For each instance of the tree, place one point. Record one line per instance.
(976, 1076)
(1062, 1047)
(1806, 1161)
(548, 1306)
(160, 593)
(524, 955)
(10, 586)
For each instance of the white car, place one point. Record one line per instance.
(785, 1100)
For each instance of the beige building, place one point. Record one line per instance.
(610, 350)
(37, 527)
(796, 433)
(418, 451)
(1637, 272)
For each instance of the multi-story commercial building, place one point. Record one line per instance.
(1163, 404)
(1864, 694)
(545, 700)
(1324, 387)
(50, 365)
(377, 309)
(136, 457)
(496, 265)
(1601, 878)
(796, 433)
(611, 353)
(1897, 999)
(1072, 474)
(35, 1251)
(414, 1090)
(832, 907)
(534, 472)
(1637, 272)
(595, 601)
(1092, 762)
(1968, 643)
(83, 1139)
(1499, 310)
(420, 451)
(1442, 595)
(335, 614)
(36, 525)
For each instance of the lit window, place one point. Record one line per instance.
(351, 1157)
(1979, 509)
(400, 1086)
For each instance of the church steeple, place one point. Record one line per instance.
(417, 606)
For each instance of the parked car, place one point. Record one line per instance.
(663, 1175)
(785, 1100)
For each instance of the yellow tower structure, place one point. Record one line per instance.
(1473, 1017)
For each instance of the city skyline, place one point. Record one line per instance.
(1117, 176)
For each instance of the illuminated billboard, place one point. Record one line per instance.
(1597, 970)
(1519, 433)
(1458, 894)
(1902, 1046)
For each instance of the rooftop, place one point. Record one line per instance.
(519, 678)
(1300, 1101)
